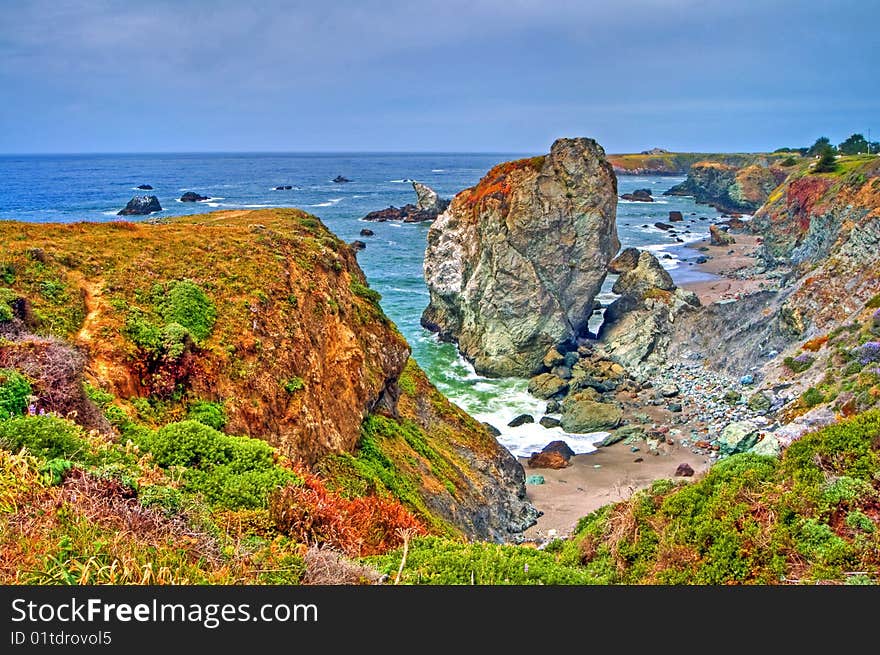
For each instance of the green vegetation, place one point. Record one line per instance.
(294, 384)
(230, 471)
(812, 397)
(798, 364)
(788, 161)
(365, 292)
(184, 303)
(856, 144)
(48, 437)
(14, 393)
(827, 161)
(208, 413)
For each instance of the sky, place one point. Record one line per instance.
(445, 76)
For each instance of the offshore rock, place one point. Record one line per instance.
(140, 206)
(514, 264)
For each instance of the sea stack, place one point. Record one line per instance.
(140, 205)
(515, 262)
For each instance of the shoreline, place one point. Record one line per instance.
(613, 473)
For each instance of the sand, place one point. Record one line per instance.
(727, 262)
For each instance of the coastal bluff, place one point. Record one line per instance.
(514, 264)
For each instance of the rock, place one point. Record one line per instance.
(626, 261)
(550, 422)
(553, 358)
(545, 460)
(639, 195)
(675, 408)
(522, 419)
(747, 379)
(514, 264)
(145, 187)
(769, 445)
(560, 447)
(547, 385)
(535, 479)
(428, 200)
(582, 415)
(495, 432)
(668, 390)
(553, 407)
(192, 196)
(339, 179)
(727, 188)
(675, 217)
(367, 232)
(563, 372)
(760, 402)
(140, 205)
(626, 432)
(718, 237)
(284, 187)
(662, 226)
(357, 245)
(647, 275)
(701, 259)
(737, 437)
(684, 470)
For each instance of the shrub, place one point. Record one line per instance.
(365, 292)
(857, 520)
(788, 161)
(812, 397)
(827, 162)
(294, 384)
(185, 303)
(167, 498)
(48, 436)
(14, 393)
(868, 353)
(230, 471)
(208, 413)
(798, 364)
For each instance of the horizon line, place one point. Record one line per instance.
(351, 152)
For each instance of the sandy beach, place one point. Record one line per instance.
(614, 473)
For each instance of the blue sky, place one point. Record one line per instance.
(476, 75)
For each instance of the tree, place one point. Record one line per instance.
(821, 143)
(855, 144)
(827, 162)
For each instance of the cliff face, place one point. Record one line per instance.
(263, 316)
(826, 229)
(679, 163)
(729, 188)
(514, 263)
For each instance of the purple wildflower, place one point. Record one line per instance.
(868, 352)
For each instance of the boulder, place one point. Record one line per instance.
(429, 206)
(550, 460)
(535, 479)
(582, 415)
(550, 422)
(141, 205)
(675, 217)
(553, 358)
(662, 226)
(495, 432)
(144, 187)
(647, 275)
(367, 232)
(769, 445)
(684, 470)
(626, 261)
(284, 187)
(625, 432)
(737, 437)
(668, 390)
(553, 407)
(428, 200)
(357, 245)
(560, 447)
(718, 237)
(760, 402)
(522, 419)
(547, 385)
(192, 196)
(340, 179)
(514, 264)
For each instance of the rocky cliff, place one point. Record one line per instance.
(729, 188)
(263, 321)
(657, 162)
(514, 263)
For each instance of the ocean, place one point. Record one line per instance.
(67, 188)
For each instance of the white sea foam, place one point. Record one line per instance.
(438, 170)
(329, 203)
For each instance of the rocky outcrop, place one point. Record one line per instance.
(192, 196)
(719, 237)
(341, 179)
(428, 206)
(729, 188)
(305, 359)
(144, 187)
(662, 162)
(140, 206)
(639, 195)
(638, 326)
(514, 264)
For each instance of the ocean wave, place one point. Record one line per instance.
(329, 203)
(405, 180)
(417, 292)
(438, 170)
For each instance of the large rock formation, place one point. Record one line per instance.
(428, 206)
(729, 188)
(515, 262)
(638, 326)
(267, 318)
